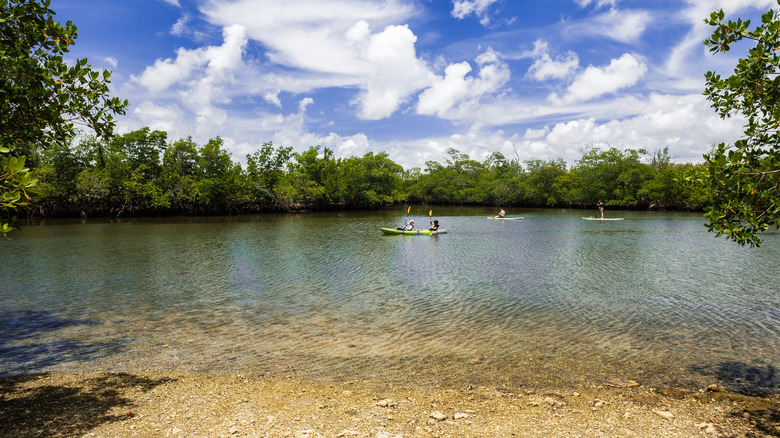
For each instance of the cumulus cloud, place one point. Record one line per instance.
(396, 72)
(216, 61)
(309, 34)
(169, 118)
(457, 88)
(545, 67)
(334, 41)
(463, 8)
(594, 81)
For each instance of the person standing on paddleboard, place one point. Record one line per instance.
(601, 208)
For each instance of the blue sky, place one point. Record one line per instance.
(535, 79)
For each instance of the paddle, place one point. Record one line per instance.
(406, 221)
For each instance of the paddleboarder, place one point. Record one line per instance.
(601, 208)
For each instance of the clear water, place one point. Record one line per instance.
(550, 300)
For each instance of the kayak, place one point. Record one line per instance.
(507, 218)
(393, 231)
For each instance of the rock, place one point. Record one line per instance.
(598, 403)
(650, 400)
(709, 427)
(621, 383)
(715, 388)
(438, 416)
(386, 403)
(384, 434)
(672, 393)
(309, 433)
(347, 433)
(460, 415)
(664, 414)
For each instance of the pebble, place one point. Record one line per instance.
(460, 415)
(664, 414)
(438, 416)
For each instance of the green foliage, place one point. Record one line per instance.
(744, 178)
(42, 97)
(127, 175)
(16, 186)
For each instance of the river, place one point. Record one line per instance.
(549, 300)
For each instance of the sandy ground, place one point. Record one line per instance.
(158, 404)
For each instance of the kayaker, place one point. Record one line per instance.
(434, 225)
(408, 226)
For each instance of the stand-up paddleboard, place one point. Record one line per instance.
(591, 218)
(506, 218)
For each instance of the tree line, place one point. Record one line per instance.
(43, 99)
(142, 173)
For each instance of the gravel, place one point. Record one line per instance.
(185, 404)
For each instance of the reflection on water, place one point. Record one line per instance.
(550, 299)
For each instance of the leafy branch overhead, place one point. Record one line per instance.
(744, 178)
(43, 100)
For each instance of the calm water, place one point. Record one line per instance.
(549, 300)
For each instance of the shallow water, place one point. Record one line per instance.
(549, 300)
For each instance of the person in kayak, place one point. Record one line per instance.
(408, 226)
(434, 225)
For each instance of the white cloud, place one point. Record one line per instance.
(598, 3)
(545, 67)
(594, 81)
(217, 62)
(623, 26)
(168, 118)
(306, 101)
(180, 27)
(678, 62)
(463, 8)
(173, 3)
(272, 97)
(310, 35)
(113, 62)
(456, 88)
(396, 71)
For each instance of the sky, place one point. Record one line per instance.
(531, 79)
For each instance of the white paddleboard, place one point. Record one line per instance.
(603, 219)
(506, 218)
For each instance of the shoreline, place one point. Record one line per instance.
(155, 403)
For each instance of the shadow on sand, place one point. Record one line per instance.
(37, 406)
(756, 387)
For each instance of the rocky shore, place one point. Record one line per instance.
(171, 404)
